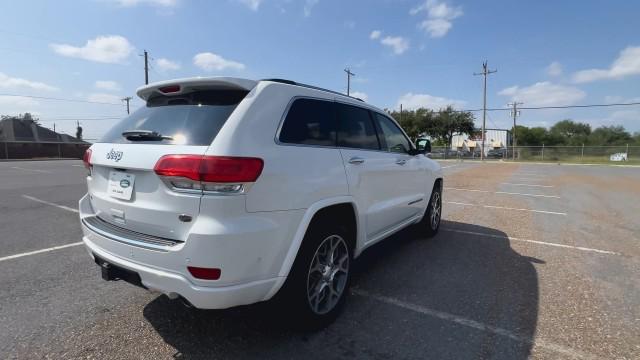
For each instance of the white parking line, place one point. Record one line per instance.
(450, 166)
(507, 208)
(531, 185)
(510, 238)
(459, 320)
(504, 193)
(77, 165)
(50, 203)
(35, 170)
(39, 251)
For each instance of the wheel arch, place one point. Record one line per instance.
(343, 204)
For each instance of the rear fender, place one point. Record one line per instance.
(302, 229)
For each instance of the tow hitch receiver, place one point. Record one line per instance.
(111, 272)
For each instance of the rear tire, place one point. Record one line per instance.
(317, 285)
(430, 223)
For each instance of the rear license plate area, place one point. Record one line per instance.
(111, 272)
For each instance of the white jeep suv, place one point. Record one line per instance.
(226, 191)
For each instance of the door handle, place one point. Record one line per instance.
(401, 161)
(356, 160)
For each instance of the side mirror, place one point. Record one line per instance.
(423, 146)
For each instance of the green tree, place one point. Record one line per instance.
(568, 132)
(610, 135)
(449, 122)
(414, 122)
(535, 136)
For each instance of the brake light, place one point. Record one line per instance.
(205, 273)
(170, 89)
(209, 173)
(86, 159)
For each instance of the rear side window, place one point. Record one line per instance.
(393, 136)
(188, 119)
(309, 122)
(355, 128)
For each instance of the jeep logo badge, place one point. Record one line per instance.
(114, 155)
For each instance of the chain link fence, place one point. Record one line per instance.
(35, 150)
(624, 154)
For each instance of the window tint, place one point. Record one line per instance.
(393, 136)
(355, 128)
(189, 119)
(309, 122)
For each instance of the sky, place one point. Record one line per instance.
(419, 53)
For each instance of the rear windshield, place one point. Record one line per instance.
(187, 119)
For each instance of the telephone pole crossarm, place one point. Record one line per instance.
(349, 75)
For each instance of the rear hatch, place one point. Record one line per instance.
(177, 119)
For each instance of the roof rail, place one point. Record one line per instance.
(290, 82)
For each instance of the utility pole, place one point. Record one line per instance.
(400, 113)
(515, 113)
(146, 68)
(349, 75)
(484, 73)
(127, 99)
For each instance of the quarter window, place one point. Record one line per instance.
(394, 138)
(355, 128)
(309, 122)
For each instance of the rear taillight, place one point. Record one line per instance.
(226, 174)
(86, 159)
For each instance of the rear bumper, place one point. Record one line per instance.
(175, 285)
(250, 256)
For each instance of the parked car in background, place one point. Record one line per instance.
(496, 153)
(226, 191)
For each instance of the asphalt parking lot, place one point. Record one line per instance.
(532, 261)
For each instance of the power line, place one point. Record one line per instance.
(545, 107)
(61, 99)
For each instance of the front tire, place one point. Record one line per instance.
(431, 221)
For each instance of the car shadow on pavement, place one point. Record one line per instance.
(458, 295)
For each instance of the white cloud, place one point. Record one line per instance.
(554, 69)
(7, 82)
(439, 17)
(131, 3)
(251, 4)
(359, 95)
(308, 6)
(544, 94)
(105, 49)
(16, 101)
(107, 85)
(375, 34)
(411, 101)
(397, 43)
(627, 64)
(210, 62)
(106, 98)
(166, 65)
(615, 99)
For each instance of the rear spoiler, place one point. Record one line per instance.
(179, 86)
